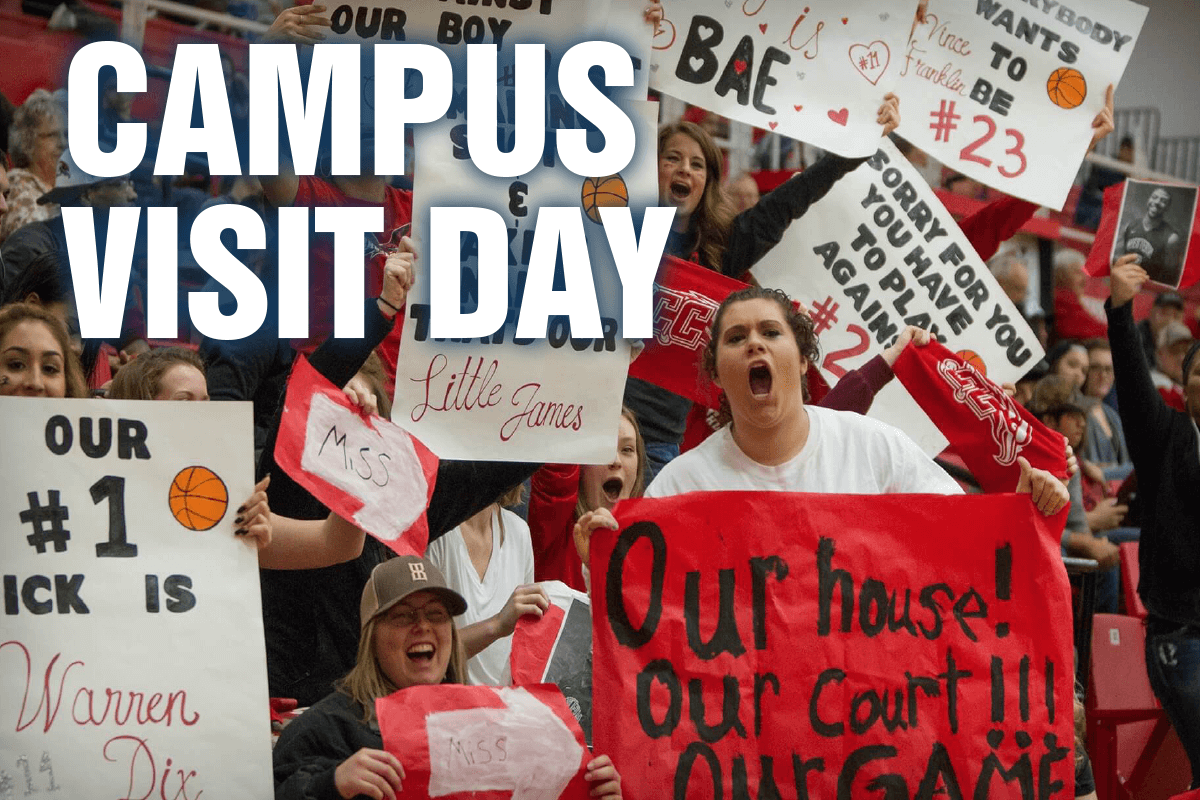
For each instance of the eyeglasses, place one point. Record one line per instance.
(434, 615)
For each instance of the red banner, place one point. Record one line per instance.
(1099, 261)
(686, 297)
(985, 426)
(485, 742)
(363, 467)
(841, 647)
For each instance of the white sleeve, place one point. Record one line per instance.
(916, 473)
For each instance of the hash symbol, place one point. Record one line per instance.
(37, 514)
(824, 315)
(943, 122)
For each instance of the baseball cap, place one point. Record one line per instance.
(71, 182)
(1173, 333)
(1169, 298)
(400, 577)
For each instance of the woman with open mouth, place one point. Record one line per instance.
(334, 749)
(758, 354)
(562, 493)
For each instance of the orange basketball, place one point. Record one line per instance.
(1066, 87)
(610, 191)
(972, 358)
(198, 498)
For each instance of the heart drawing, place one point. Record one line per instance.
(871, 60)
(739, 66)
(840, 116)
(773, 124)
(797, 107)
(762, 28)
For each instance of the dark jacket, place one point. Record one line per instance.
(312, 745)
(1165, 447)
(662, 415)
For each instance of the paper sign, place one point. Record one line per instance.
(496, 742)
(557, 648)
(1005, 91)
(364, 468)
(816, 74)
(856, 643)
(132, 661)
(880, 252)
(499, 397)
(1156, 226)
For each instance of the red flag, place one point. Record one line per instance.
(364, 468)
(485, 742)
(985, 426)
(686, 297)
(848, 646)
(1099, 259)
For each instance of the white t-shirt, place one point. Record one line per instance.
(846, 453)
(511, 565)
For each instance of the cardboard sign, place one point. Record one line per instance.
(499, 397)
(557, 648)
(880, 252)
(986, 427)
(364, 468)
(1005, 92)
(856, 643)
(1101, 255)
(816, 74)
(493, 742)
(132, 660)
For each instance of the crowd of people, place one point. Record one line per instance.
(348, 622)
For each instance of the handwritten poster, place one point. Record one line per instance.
(858, 643)
(816, 71)
(500, 397)
(518, 742)
(1005, 92)
(880, 252)
(364, 468)
(132, 658)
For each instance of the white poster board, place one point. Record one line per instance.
(500, 398)
(814, 72)
(132, 661)
(1005, 92)
(880, 252)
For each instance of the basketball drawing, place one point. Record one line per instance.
(198, 498)
(1066, 87)
(972, 358)
(597, 192)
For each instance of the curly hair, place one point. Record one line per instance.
(800, 325)
(22, 136)
(711, 221)
(141, 379)
(14, 314)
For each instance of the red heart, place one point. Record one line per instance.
(773, 124)
(762, 28)
(739, 66)
(845, 20)
(840, 117)
(797, 107)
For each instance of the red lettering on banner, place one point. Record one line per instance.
(737, 665)
(539, 413)
(120, 706)
(144, 770)
(468, 388)
(682, 318)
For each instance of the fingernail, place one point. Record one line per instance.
(241, 510)
(237, 521)
(240, 532)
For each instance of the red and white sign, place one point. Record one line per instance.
(362, 467)
(489, 742)
(1005, 91)
(920, 643)
(816, 73)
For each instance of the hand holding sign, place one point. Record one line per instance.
(1127, 279)
(376, 773)
(254, 516)
(399, 275)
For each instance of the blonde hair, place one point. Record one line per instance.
(639, 478)
(366, 682)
